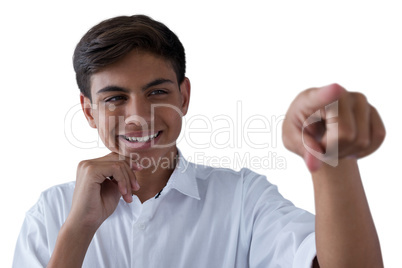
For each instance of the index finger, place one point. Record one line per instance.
(318, 98)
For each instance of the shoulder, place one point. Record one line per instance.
(244, 181)
(55, 201)
(244, 176)
(59, 193)
(61, 190)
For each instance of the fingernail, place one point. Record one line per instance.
(136, 166)
(137, 186)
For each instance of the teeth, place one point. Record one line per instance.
(142, 139)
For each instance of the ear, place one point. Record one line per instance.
(185, 93)
(88, 110)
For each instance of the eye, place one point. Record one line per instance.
(115, 98)
(158, 92)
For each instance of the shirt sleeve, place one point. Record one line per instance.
(282, 235)
(32, 246)
(41, 226)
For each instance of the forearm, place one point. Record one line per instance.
(71, 246)
(345, 231)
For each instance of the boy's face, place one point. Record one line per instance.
(137, 106)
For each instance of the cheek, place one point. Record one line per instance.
(107, 131)
(170, 113)
(106, 123)
(173, 119)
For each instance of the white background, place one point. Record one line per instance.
(259, 53)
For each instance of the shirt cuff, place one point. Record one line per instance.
(305, 253)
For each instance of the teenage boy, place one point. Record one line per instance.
(121, 212)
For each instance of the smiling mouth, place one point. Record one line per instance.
(142, 139)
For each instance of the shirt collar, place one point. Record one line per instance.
(183, 178)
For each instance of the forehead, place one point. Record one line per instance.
(136, 69)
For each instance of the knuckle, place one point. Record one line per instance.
(308, 92)
(83, 164)
(359, 97)
(362, 143)
(117, 166)
(346, 134)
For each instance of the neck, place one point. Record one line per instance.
(153, 179)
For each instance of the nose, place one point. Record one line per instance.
(138, 112)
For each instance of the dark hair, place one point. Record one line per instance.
(114, 38)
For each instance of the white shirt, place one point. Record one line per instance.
(204, 217)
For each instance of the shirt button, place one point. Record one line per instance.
(140, 225)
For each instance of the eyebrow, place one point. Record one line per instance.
(112, 88)
(153, 83)
(156, 82)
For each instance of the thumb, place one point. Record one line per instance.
(312, 162)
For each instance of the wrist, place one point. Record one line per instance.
(340, 181)
(79, 228)
(71, 246)
(341, 170)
